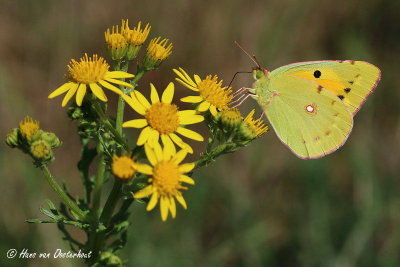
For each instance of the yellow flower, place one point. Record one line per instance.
(28, 127)
(137, 36)
(212, 96)
(162, 119)
(167, 176)
(90, 72)
(117, 45)
(157, 52)
(123, 167)
(253, 128)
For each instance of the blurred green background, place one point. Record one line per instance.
(260, 206)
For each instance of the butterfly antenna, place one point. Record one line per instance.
(252, 57)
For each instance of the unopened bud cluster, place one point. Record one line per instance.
(32, 140)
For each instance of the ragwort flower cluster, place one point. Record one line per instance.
(153, 169)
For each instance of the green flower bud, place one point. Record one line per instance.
(110, 260)
(12, 138)
(229, 119)
(51, 139)
(75, 112)
(41, 151)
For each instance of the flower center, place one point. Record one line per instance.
(137, 36)
(213, 92)
(88, 69)
(40, 149)
(166, 178)
(122, 167)
(159, 50)
(116, 40)
(28, 127)
(163, 117)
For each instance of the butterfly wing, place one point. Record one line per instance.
(351, 81)
(308, 118)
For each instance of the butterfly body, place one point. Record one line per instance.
(311, 105)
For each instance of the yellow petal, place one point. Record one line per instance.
(197, 78)
(203, 106)
(153, 94)
(192, 99)
(190, 134)
(181, 201)
(144, 168)
(186, 117)
(69, 95)
(184, 76)
(158, 151)
(178, 157)
(187, 85)
(186, 179)
(142, 100)
(138, 123)
(145, 192)
(111, 87)
(111, 80)
(134, 103)
(177, 140)
(62, 89)
(169, 147)
(150, 154)
(153, 201)
(154, 136)
(168, 93)
(144, 136)
(187, 167)
(164, 206)
(213, 110)
(119, 74)
(80, 94)
(172, 207)
(98, 92)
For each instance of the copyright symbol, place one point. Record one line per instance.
(11, 253)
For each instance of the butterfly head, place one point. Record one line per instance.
(259, 73)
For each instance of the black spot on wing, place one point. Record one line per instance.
(351, 82)
(317, 74)
(347, 90)
(341, 97)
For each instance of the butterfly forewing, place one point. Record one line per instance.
(308, 118)
(351, 81)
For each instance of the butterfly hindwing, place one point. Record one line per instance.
(308, 118)
(351, 81)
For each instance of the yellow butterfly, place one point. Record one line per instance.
(311, 105)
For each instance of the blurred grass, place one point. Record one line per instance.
(258, 207)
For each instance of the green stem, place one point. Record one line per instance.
(99, 239)
(111, 202)
(219, 150)
(62, 195)
(121, 102)
(108, 125)
(139, 74)
(98, 183)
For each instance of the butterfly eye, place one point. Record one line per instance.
(317, 74)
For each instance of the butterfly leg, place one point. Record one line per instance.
(242, 99)
(240, 91)
(261, 116)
